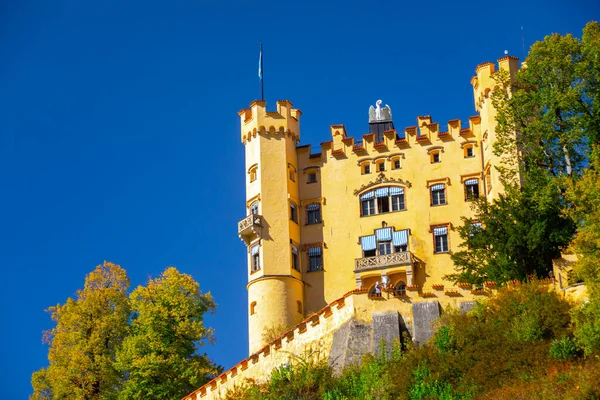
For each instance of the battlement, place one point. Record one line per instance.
(424, 133)
(257, 120)
(483, 82)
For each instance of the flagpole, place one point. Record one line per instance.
(262, 80)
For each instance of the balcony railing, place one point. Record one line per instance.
(250, 225)
(383, 261)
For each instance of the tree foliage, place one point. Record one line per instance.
(523, 230)
(83, 344)
(548, 124)
(107, 345)
(159, 355)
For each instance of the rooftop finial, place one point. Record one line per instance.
(380, 114)
(505, 52)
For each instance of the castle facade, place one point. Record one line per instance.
(359, 231)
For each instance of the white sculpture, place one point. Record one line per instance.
(380, 114)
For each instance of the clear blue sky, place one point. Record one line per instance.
(119, 133)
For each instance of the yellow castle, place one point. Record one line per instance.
(360, 230)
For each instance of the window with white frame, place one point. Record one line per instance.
(438, 194)
(315, 258)
(382, 200)
(440, 238)
(313, 214)
(471, 189)
(255, 253)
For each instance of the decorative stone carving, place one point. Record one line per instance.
(381, 178)
(380, 114)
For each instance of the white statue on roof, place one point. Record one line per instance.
(380, 114)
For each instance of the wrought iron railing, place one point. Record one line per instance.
(386, 260)
(251, 221)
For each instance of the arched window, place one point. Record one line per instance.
(381, 166)
(253, 308)
(382, 200)
(400, 289)
(469, 152)
(471, 189)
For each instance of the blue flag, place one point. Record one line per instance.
(260, 63)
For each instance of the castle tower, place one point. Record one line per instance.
(483, 84)
(271, 231)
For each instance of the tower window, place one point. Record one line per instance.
(293, 212)
(295, 263)
(255, 252)
(440, 238)
(471, 189)
(254, 208)
(469, 151)
(292, 172)
(313, 214)
(312, 177)
(438, 194)
(253, 308)
(252, 172)
(315, 259)
(434, 157)
(299, 305)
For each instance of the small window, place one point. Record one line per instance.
(312, 177)
(255, 258)
(366, 169)
(435, 157)
(471, 189)
(313, 214)
(253, 308)
(295, 261)
(438, 194)
(475, 228)
(292, 175)
(440, 238)
(488, 179)
(254, 208)
(293, 212)
(385, 247)
(315, 259)
(469, 152)
(299, 306)
(396, 163)
(253, 172)
(367, 204)
(381, 166)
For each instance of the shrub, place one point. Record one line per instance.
(564, 349)
(444, 339)
(586, 321)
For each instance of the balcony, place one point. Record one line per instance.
(250, 227)
(384, 261)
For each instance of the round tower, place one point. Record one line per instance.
(270, 230)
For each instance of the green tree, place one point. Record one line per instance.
(89, 330)
(523, 230)
(159, 356)
(549, 114)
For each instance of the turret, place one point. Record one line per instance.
(271, 231)
(483, 84)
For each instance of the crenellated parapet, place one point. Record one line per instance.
(426, 132)
(483, 82)
(257, 120)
